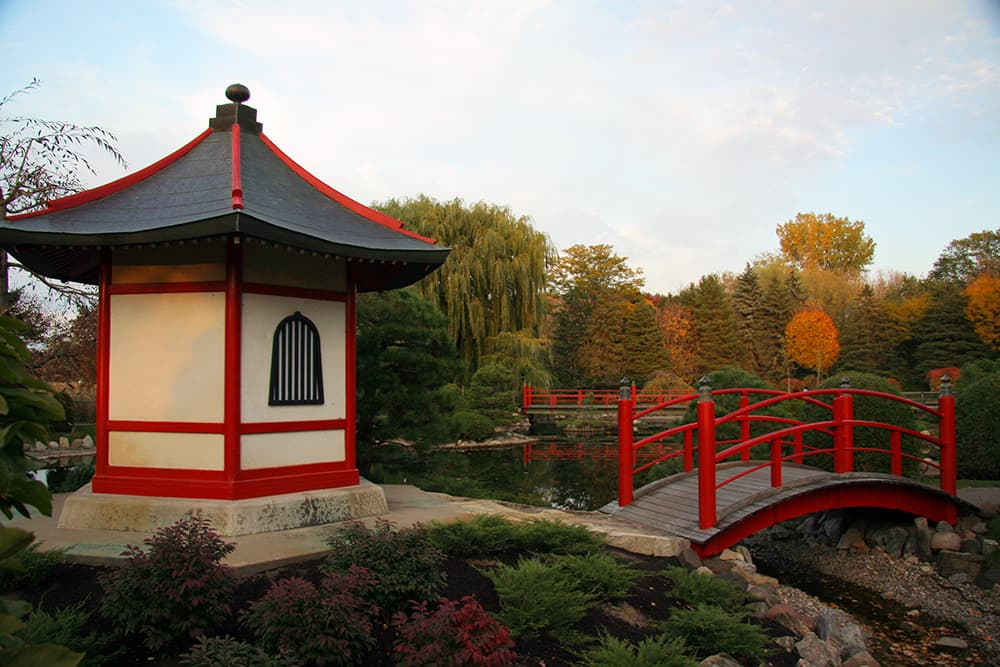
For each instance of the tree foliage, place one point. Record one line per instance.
(812, 340)
(964, 259)
(714, 320)
(823, 241)
(983, 308)
(944, 336)
(41, 160)
(494, 278)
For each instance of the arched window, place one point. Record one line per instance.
(296, 368)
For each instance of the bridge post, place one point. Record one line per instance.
(843, 411)
(745, 425)
(949, 464)
(526, 395)
(625, 454)
(706, 456)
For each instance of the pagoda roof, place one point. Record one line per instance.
(231, 180)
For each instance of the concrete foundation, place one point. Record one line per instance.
(144, 514)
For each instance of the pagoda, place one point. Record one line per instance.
(228, 278)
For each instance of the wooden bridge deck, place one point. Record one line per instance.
(670, 505)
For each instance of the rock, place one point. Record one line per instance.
(922, 537)
(780, 532)
(755, 578)
(817, 652)
(953, 562)
(890, 538)
(720, 660)
(863, 659)
(77, 443)
(787, 642)
(63, 442)
(971, 546)
(978, 528)
(40, 446)
(88, 442)
(689, 559)
(944, 527)
(951, 643)
(960, 578)
(833, 525)
(943, 540)
(989, 547)
(852, 537)
(808, 526)
(763, 594)
(826, 627)
(704, 571)
(988, 578)
(757, 610)
(745, 553)
(787, 617)
(852, 641)
(730, 555)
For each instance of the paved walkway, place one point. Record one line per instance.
(407, 505)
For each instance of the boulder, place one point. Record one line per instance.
(922, 538)
(762, 594)
(944, 527)
(817, 652)
(787, 642)
(689, 559)
(943, 540)
(960, 578)
(88, 442)
(863, 659)
(787, 617)
(989, 547)
(851, 640)
(891, 538)
(852, 538)
(971, 546)
(951, 643)
(988, 578)
(953, 562)
(720, 660)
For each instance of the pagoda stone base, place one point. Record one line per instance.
(143, 514)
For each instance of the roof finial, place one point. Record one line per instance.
(238, 93)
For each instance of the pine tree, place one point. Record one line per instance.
(944, 336)
(865, 344)
(713, 318)
(748, 305)
(644, 350)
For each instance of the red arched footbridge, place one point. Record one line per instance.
(723, 494)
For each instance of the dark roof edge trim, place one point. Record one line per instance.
(101, 191)
(340, 198)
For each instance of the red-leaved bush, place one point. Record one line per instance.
(455, 634)
(328, 625)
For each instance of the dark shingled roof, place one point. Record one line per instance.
(201, 191)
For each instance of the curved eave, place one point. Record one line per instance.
(75, 257)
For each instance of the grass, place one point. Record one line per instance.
(978, 483)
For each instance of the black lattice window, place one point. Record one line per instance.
(296, 367)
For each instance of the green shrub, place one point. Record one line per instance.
(710, 630)
(480, 536)
(538, 598)
(870, 408)
(329, 625)
(599, 574)
(68, 480)
(453, 635)
(175, 590)
(556, 537)
(228, 652)
(29, 568)
(405, 563)
(977, 423)
(698, 589)
(470, 425)
(661, 651)
(67, 627)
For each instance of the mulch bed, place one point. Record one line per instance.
(650, 599)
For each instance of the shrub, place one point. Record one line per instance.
(470, 425)
(546, 536)
(480, 536)
(28, 568)
(870, 408)
(175, 590)
(697, 589)
(405, 563)
(66, 627)
(67, 480)
(977, 423)
(228, 652)
(661, 651)
(453, 635)
(537, 598)
(712, 630)
(329, 625)
(599, 574)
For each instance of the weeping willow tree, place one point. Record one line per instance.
(494, 279)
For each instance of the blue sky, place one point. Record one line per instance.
(681, 133)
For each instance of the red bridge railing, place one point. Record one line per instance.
(535, 397)
(699, 444)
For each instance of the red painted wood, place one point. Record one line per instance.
(625, 452)
(141, 426)
(237, 169)
(234, 350)
(706, 464)
(296, 292)
(949, 465)
(350, 369)
(745, 425)
(339, 197)
(94, 194)
(185, 287)
(103, 362)
(251, 428)
(775, 463)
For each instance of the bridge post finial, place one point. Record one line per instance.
(624, 389)
(945, 389)
(845, 382)
(704, 389)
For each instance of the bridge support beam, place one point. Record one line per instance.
(626, 455)
(706, 457)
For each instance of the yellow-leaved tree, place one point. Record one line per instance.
(812, 340)
(983, 309)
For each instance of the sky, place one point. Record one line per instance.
(680, 133)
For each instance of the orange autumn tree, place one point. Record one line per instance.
(983, 309)
(811, 340)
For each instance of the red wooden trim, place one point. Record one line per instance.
(233, 361)
(167, 288)
(299, 292)
(341, 198)
(706, 464)
(138, 426)
(212, 485)
(237, 175)
(272, 486)
(122, 472)
(103, 360)
(626, 452)
(94, 194)
(294, 470)
(251, 428)
(350, 371)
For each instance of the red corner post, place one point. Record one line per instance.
(843, 438)
(744, 425)
(949, 466)
(625, 453)
(706, 456)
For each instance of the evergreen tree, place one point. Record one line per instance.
(645, 352)
(944, 337)
(713, 318)
(778, 305)
(748, 304)
(864, 339)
